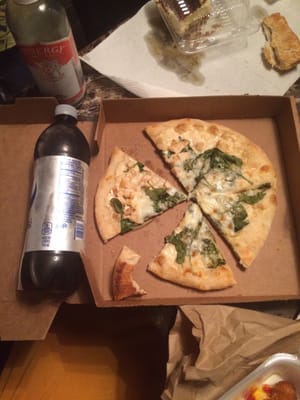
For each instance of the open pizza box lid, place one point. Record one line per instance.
(22, 316)
(268, 121)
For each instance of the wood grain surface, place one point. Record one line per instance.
(92, 354)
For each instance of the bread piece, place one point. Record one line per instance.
(282, 47)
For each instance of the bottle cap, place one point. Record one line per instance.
(66, 109)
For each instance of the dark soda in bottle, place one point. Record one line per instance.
(51, 260)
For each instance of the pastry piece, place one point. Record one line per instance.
(123, 285)
(185, 16)
(282, 47)
(129, 195)
(190, 256)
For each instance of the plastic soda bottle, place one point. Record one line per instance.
(55, 233)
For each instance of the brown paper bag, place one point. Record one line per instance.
(212, 347)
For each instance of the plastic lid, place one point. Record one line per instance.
(25, 1)
(66, 109)
(196, 25)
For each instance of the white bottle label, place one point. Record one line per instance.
(56, 68)
(57, 210)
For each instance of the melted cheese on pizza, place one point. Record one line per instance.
(194, 244)
(142, 193)
(190, 256)
(129, 194)
(202, 153)
(214, 168)
(231, 212)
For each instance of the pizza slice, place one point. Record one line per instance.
(123, 284)
(129, 195)
(210, 154)
(243, 219)
(190, 256)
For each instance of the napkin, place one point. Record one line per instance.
(141, 57)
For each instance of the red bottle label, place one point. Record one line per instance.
(56, 68)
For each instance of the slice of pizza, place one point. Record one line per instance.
(190, 256)
(129, 195)
(243, 219)
(123, 284)
(210, 154)
(231, 178)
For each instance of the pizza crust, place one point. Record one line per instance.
(108, 223)
(123, 284)
(221, 278)
(282, 47)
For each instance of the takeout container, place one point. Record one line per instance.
(270, 121)
(225, 22)
(280, 366)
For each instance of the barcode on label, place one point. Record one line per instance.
(79, 230)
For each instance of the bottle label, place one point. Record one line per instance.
(57, 210)
(56, 68)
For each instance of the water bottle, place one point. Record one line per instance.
(54, 239)
(43, 34)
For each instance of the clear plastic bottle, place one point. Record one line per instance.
(43, 34)
(51, 258)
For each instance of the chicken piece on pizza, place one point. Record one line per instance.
(130, 194)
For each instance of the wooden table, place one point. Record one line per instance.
(92, 354)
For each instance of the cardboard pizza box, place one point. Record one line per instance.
(22, 316)
(269, 121)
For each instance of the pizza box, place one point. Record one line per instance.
(22, 316)
(269, 121)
